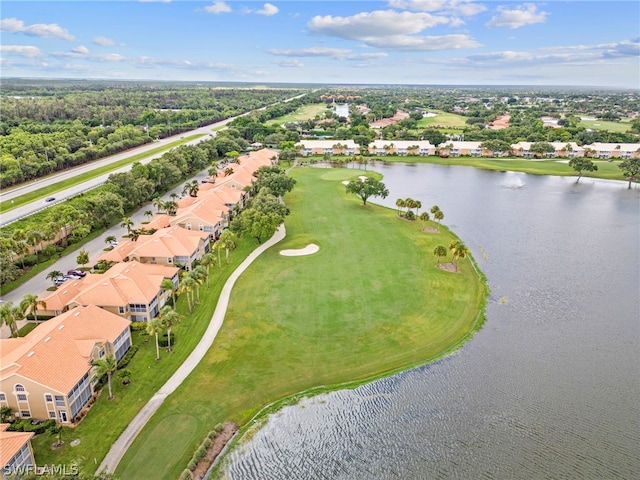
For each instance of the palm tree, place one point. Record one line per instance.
(34, 237)
(148, 214)
(440, 251)
(438, 216)
(400, 203)
(9, 315)
(188, 285)
(206, 261)
(434, 209)
(228, 241)
(31, 303)
(53, 274)
(167, 285)
(424, 216)
(106, 366)
(127, 223)
(109, 239)
(169, 317)
(417, 204)
(158, 203)
(460, 250)
(228, 171)
(199, 274)
(154, 327)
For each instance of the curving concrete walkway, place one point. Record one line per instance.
(118, 449)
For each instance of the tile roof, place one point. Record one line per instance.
(54, 353)
(11, 443)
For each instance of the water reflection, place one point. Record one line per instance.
(548, 388)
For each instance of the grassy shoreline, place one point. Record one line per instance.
(361, 319)
(607, 170)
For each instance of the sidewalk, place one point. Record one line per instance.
(119, 448)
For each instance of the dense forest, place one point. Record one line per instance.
(50, 126)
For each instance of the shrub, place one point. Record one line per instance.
(207, 442)
(185, 475)
(218, 428)
(30, 425)
(127, 357)
(164, 340)
(410, 215)
(137, 326)
(29, 260)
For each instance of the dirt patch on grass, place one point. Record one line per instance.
(218, 443)
(448, 267)
(430, 230)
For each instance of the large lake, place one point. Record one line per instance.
(549, 388)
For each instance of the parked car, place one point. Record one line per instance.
(59, 281)
(77, 272)
(75, 277)
(113, 244)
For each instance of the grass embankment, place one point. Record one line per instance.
(306, 112)
(616, 127)
(369, 303)
(83, 177)
(606, 170)
(108, 419)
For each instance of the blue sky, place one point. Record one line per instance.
(461, 42)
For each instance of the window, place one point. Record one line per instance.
(60, 401)
(22, 397)
(63, 416)
(101, 353)
(48, 397)
(19, 388)
(25, 413)
(52, 414)
(169, 260)
(3, 397)
(121, 309)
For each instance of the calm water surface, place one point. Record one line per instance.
(549, 387)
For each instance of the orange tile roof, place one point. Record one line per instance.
(120, 253)
(159, 221)
(169, 242)
(51, 355)
(11, 443)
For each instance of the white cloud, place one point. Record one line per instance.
(526, 14)
(290, 63)
(43, 30)
(457, 7)
(336, 53)
(21, 50)
(374, 24)
(80, 49)
(426, 43)
(104, 41)
(268, 10)
(218, 7)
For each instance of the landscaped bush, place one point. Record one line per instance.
(29, 260)
(28, 425)
(410, 215)
(128, 356)
(137, 326)
(164, 341)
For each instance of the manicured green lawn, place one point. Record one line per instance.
(369, 303)
(618, 127)
(306, 112)
(56, 187)
(107, 419)
(444, 120)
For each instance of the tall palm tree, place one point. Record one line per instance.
(169, 318)
(106, 366)
(154, 327)
(53, 274)
(199, 274)
(228, 241)
(109, 239)
(31, 303)
(34, 237)
(127, 223)
(440, 251)
(206, 261)
(9, 315)
(158, 203)
(417, 204)
(188, 285)
(148, 214)
(167, 285)
(400, 203)
(438, 216)
(424, 216)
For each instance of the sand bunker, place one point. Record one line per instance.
(346, 182)
(308, 250)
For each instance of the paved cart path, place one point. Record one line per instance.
(118, 449)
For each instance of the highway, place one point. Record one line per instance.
(38, 205)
